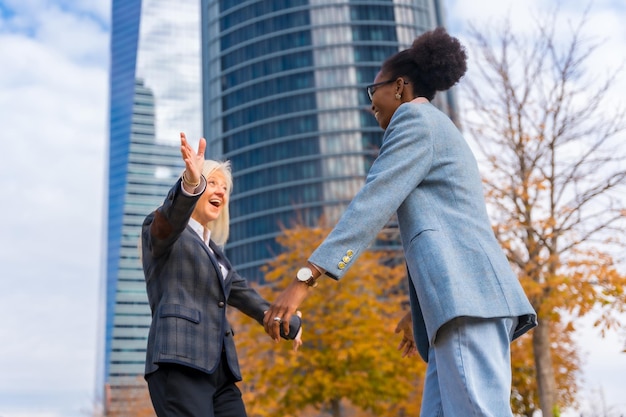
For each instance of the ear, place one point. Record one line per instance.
(403, 89)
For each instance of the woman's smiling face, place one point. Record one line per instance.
(215, 197)
(384, 101)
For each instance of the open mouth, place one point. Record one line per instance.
(215, 202)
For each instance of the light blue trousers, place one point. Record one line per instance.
(469, 369)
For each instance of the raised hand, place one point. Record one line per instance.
(194, 160)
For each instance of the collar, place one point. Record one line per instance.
(200, 230)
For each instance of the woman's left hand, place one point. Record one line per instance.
(407, 344)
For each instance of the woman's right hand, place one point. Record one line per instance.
(194, 160)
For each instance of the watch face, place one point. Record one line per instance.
(304, 274)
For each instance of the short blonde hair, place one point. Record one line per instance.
(220, 227)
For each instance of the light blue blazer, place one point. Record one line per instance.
(426, 173)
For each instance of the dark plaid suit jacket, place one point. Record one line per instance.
(187, 293)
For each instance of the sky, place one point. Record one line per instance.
(53, 147)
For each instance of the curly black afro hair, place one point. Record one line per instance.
(435, 62)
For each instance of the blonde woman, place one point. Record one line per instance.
(191, 362)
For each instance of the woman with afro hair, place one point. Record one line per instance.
(467, 305)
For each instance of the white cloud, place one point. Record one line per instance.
(70, 27)
(53, 140)
(53, 98)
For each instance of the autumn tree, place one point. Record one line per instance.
(551, 146)
(349, 365)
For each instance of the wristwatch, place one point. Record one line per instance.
(306, 275)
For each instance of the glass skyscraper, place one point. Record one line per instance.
(284, 101)
(155, 92)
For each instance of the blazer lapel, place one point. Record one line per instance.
(213, 256)
(218, 255)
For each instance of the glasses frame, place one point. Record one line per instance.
(371, 89)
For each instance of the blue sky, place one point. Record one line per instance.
(53, 114)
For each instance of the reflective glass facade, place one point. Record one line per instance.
(284, 101)
(155, 92)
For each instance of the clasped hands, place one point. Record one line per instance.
(287, 302)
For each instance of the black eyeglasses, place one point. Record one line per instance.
(371, 89)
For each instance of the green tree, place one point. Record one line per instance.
(551, 146)
(349, 364)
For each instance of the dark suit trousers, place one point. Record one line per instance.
(181, 391)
